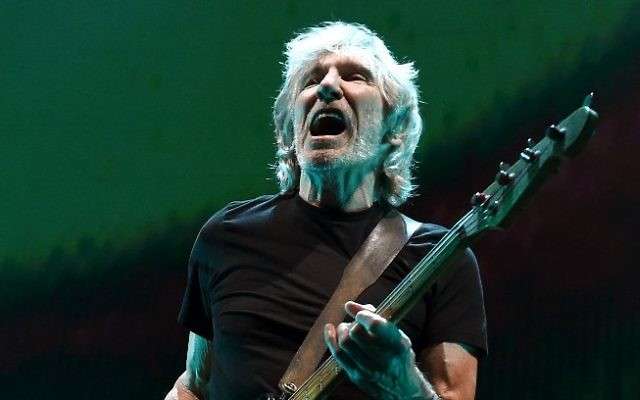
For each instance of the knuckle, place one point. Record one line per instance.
(343, 333)
(377, 324)
(353, 334)
(346, 344)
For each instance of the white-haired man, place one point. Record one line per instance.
(261, 270)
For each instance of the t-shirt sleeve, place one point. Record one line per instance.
(195, 312)
(456, 307)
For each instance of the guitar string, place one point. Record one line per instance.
(441, 247)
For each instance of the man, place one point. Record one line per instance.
(261, 270)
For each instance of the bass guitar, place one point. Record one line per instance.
(490, 209)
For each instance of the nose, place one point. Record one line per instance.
(329, 88)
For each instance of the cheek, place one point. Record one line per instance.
(372, 115)
(369, 104)
(300, 109)
(297, 120)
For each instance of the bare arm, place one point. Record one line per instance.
(451, 370)
(192, 384)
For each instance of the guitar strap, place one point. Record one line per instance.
(376, 253)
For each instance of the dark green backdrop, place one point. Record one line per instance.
(125, 124)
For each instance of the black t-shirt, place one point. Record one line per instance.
(261, 271)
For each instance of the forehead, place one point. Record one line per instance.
(343, 62)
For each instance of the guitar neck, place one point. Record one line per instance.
(419, 280)
(395, 305)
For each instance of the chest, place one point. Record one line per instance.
(269, 291)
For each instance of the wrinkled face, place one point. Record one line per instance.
(338, 116)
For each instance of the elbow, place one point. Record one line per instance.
(188, 387)
(454, 394)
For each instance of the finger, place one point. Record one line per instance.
(357, 356)
(375, 350)
(330, 338)
(371, 321)
(352, 308)
(342, 358)
(363, 338)
(343, 332)
(365, 354)
(381, 330)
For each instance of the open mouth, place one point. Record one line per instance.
(328, 122)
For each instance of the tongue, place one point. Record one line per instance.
(327, 125)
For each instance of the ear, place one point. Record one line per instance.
(395, 140)
(397, 125)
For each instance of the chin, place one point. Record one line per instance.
(321, 160)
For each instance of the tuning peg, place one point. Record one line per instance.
(530, 142)
(555, 133)
(528, 154)
(479, 198)
(503, 177)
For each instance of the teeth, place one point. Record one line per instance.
(332, 113)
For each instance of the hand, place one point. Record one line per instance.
(376, 355)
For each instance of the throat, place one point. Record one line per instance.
(346, 191)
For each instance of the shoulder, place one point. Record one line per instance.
(215, 233)
(240, 207)
(427, 236)
(428, 233)
(241, 210)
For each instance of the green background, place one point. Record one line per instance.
(124, 125)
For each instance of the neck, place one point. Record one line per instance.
(347, 190)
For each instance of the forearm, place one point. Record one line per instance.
(193, 383)
(451, 370)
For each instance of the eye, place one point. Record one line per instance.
(311, 82)
(356, 77)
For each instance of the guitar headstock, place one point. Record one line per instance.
(514, 183)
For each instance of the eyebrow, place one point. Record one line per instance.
(349, 66)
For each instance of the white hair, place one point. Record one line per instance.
(397, 85)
